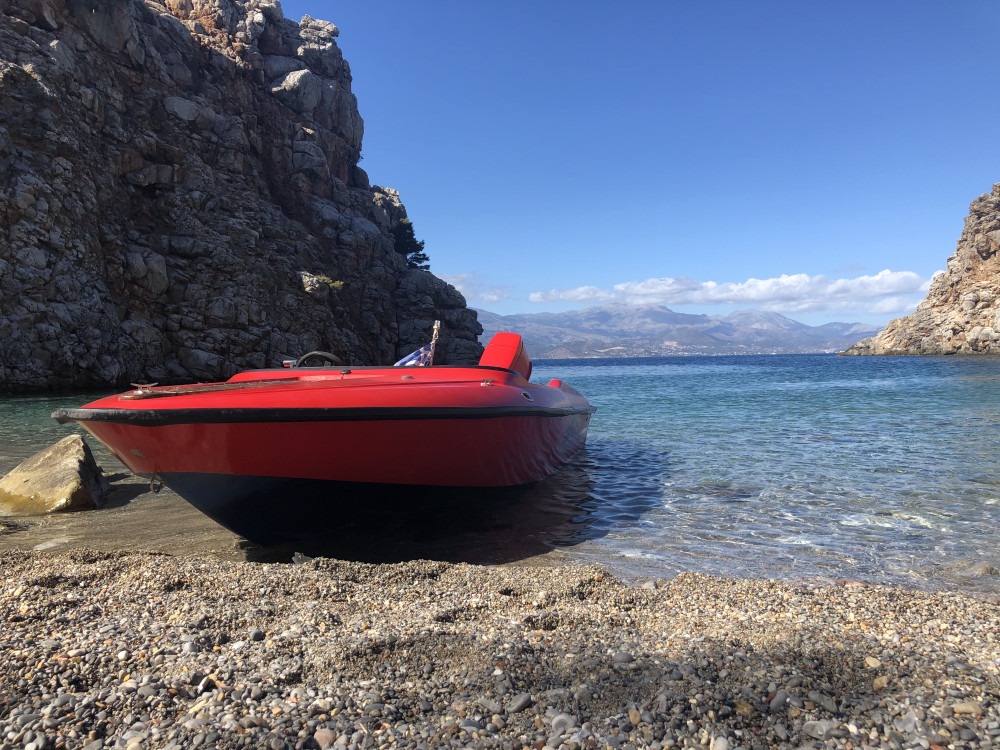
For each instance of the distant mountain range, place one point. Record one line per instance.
(653, 330)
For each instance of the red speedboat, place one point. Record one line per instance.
(264, 451)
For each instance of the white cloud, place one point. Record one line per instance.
(892, 306)
(580, 294)
(885, 292)
(474, 289)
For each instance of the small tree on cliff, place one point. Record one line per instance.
(407, 244)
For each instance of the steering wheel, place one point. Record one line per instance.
(333, 359)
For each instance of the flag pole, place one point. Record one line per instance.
(434, 340)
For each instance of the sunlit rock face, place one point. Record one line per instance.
(62, 477)
(180, 198)
(961, 313)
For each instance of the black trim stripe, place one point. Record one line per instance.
(162, 417)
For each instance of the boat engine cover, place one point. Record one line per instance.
(506, 350)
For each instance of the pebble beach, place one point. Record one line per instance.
(130, 649)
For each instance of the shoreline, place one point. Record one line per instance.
(535, 529)
(138, 649)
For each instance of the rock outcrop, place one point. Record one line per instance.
(180, 198)
(63, 477)
(961, 313)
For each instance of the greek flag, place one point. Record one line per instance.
(420, 357)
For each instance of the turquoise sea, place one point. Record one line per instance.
(794, 467)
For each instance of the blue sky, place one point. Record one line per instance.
(813, 158)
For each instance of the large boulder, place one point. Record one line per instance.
(62, 477)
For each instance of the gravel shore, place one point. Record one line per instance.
(104, 649)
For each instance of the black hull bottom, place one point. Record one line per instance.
(269, 510)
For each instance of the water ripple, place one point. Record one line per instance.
(878, 469)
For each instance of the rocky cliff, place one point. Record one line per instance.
(961, 313)
(180, 198)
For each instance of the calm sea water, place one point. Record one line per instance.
(793, 466)
(878, 469)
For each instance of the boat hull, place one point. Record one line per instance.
(268, 454)
(470, 451)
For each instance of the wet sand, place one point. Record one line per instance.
(150, 522)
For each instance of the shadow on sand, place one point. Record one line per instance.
(483, 526)
(584, 500)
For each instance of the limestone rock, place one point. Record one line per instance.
(300, 90)
(172, 175)
(961, 313)
(63, 477)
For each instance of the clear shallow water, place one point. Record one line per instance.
(879, 469)
(791, 466)
(26, 427)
